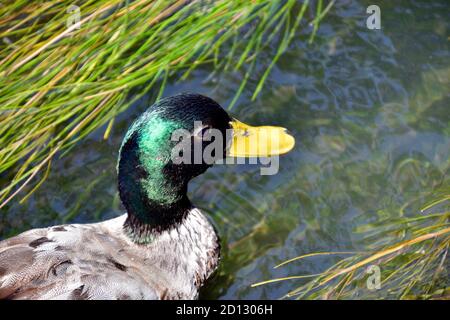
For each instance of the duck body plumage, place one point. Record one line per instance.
(99, 261)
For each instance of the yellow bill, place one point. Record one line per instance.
(263, 141)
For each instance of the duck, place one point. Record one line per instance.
(162, 247)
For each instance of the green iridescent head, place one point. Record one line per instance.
(151, 186)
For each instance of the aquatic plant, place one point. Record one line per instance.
(409, 256)
(67, 68)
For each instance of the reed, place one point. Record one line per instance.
(410, 252)
(61, 78)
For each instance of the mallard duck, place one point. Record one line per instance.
(163, 247)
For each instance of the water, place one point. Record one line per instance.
(370, 113)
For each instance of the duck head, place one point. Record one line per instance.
(175, 140)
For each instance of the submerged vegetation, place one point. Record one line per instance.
(408, 259)
(63, 78)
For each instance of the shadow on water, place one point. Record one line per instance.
(369, 109)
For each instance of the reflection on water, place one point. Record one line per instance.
(370, 112)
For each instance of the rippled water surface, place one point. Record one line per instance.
(370, 113)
